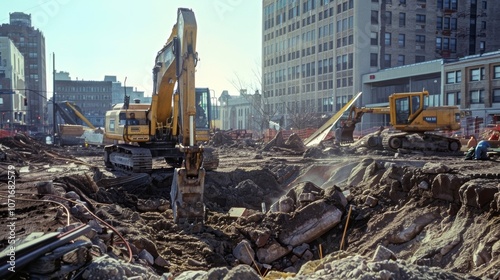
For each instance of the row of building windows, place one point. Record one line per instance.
(295, 42)
(296, 54)
(309, 69)
(441, 4)
(81, 89)
(270, 21)
(475, 97)
(476, 74)
(74, 97)
(387, 63)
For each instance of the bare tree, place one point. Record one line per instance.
(261, 107)
(302, 116)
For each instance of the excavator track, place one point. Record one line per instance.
(128, 158)
(421, 142)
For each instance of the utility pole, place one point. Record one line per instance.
(54, 128)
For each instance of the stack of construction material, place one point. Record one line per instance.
(71, 134)
(71, 130)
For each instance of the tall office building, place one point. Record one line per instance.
(31, 43)
(314, 52)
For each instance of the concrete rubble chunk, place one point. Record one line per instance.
(300, 250)
(244, 252)
(109, 268)
(310, 222)
(371, 201)
(145, 255)
(445, 187)
(160, 261)
(476, 194)
(382, 254)
(272, 252)
(242, 272)
(308, 255)
(260, 237)
(45, 187)
(435, 168)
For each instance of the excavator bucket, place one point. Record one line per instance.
(186, 197)
(346, 134)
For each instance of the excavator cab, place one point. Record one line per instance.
(407, 107)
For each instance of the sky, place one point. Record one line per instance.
(94, 38)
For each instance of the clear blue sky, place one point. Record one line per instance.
(94, 38)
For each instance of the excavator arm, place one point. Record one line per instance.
(176, 62)
(321, 132)
(68, 118)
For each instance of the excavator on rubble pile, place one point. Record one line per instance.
(415, 121)
(173, 126)
(416, 124)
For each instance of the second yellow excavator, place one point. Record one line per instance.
(418, 124)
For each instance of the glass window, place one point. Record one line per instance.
(374, 39)
(401, 40)
(496, 70)
(388, 18)
(477, 96)
(420, 18)
(387, 39)
(373, 59)
(402, 19)
(477, 74)
(402, 110)
(451, 98)
(474, 74)
(439, 43)
(401, 60)
(387, 60)
(496, 96)
(374, 17)
(450, 77)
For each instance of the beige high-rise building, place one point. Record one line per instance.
(12, 97)
(314, 52)
(31, 43)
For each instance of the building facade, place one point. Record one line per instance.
(93, 97)
(31, 43)
(240, 112)
(12, 100)
(473, 83)
(314, 52)
(119, 91)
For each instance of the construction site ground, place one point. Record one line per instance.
(272, 213)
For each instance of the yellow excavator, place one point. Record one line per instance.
(418, 124)
(173, 126)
